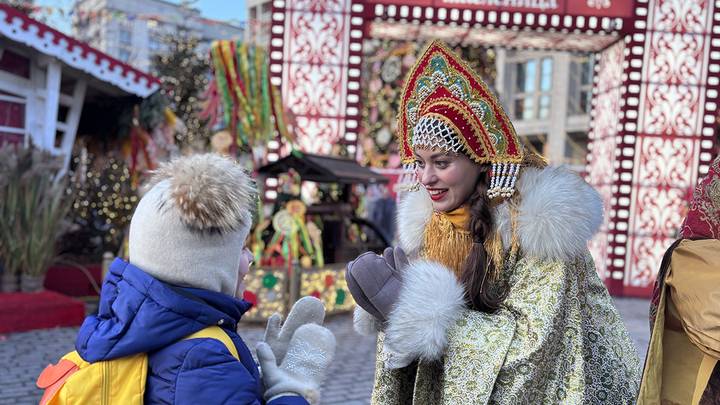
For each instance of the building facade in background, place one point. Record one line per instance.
(259, 15)
(134, 30)
(547, 95)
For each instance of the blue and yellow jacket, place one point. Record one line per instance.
(140, 314)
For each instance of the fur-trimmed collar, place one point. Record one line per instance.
(558, 214)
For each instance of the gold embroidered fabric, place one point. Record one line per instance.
(557, 339)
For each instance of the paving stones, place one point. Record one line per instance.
(24, 356)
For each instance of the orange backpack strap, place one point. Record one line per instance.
(54, 376)
(217, 333)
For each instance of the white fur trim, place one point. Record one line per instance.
(208, 192)
(364, 323)
(430, 301)
(558, 214)
(414, 212)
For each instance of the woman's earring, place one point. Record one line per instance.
(409, 180)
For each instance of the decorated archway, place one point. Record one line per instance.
(655, 93)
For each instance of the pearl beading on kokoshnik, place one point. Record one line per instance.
(431, 132)
(502, 179)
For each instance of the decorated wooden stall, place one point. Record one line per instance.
(302, 249)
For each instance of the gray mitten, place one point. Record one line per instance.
(374, 281)
(305, 310)
(303, 369)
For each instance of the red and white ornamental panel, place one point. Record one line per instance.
(604, 140)
(645, 156)
(655, 93)
(676, 116)
(316, 48)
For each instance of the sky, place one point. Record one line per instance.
(225, 10)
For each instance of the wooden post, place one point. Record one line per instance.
(294, 284)
(73, 118)
(52, 102)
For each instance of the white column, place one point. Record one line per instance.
(52, 101)
(73, 119)
(500, 60)
(555, 147)
(35, 113)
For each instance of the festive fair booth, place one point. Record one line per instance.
(104, 123)
(655, 94)
(47, 78)
(303, 249)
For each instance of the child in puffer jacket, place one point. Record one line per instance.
(185, 271)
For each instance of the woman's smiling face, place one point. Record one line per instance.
(450, 178)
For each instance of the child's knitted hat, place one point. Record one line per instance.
(190, 227)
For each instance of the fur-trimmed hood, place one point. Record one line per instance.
(558, 213)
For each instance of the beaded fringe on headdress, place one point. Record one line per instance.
(502, 179)
(503, 176)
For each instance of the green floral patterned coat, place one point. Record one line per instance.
(557, 339)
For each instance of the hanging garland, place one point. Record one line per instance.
(241, 89)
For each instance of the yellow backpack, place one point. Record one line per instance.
(119, 381)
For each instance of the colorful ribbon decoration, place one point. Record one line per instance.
(251, 106)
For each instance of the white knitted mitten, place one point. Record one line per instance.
(303, 369)
(305, 310)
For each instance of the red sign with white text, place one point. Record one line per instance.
(601, 8)
(598, 8)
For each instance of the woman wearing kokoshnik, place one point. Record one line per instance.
(500, 301)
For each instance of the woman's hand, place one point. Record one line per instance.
(374, 281)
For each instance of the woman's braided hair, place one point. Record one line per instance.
(483, 291)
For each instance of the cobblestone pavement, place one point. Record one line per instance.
(24, 355)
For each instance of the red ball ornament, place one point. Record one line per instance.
(329, 281)
(316, 294)
(250, 297)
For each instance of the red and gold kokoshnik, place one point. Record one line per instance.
(443, 87)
